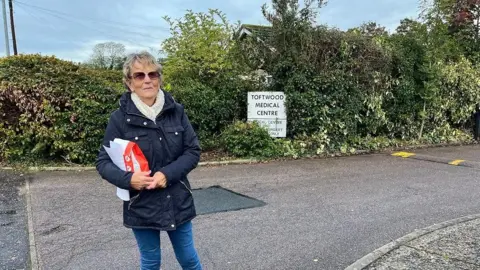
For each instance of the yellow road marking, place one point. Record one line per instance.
(456, 162)
(403, 154)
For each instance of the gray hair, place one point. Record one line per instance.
(143, 57)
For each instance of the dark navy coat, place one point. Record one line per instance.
(171, 147)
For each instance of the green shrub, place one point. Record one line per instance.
(248, 139)
(447, 134)
(51, 108)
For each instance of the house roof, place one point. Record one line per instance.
(259, 31)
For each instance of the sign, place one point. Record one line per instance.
(268, 109)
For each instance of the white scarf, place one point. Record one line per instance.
(151, 112)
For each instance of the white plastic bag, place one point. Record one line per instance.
(129, 157)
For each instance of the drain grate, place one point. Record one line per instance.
(217, 199)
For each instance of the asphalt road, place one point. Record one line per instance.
(320, 214)
(471, 153)
(13, 222)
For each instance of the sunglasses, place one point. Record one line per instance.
(140, 76)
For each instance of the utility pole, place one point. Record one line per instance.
(5, 28)
(12, 24)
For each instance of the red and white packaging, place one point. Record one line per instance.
(129, 157)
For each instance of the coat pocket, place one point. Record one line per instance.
(184, 198)
(185, 185)
(175, 138)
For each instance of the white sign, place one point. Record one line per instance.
(268, 108)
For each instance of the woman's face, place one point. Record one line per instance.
(144, 81)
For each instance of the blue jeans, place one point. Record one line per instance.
(148, 241)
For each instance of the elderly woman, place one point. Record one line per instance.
(161, 200)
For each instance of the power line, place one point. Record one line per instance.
(42, 22)
(66, 17)
(96, 29)
(92, 19)
(81, 21)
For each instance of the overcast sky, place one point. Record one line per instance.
(69, 29)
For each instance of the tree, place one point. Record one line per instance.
(409, 26)
(292, 29)
(370, 29)
(460, 18)
(465, 24)
(200, 69)
(199, 46)
(434, 60)
(108, 55)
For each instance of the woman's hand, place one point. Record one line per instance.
(141, 180)
(159, 181)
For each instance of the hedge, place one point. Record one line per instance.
(56, 110)
(52, 109)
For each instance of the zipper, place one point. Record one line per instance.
(186, 187)
(133, 199)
